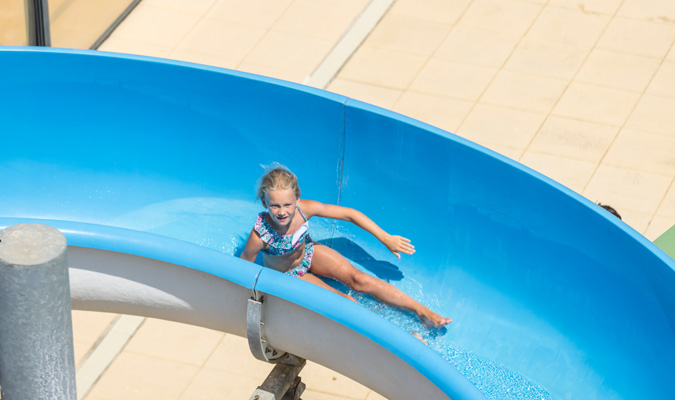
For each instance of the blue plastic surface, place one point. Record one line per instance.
(153, 246)
(537, 279)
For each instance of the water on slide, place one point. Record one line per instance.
(188, 219)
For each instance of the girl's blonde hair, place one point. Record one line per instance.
(276, 177)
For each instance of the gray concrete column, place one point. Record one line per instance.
(36, 331)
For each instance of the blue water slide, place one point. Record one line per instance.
(149, 168)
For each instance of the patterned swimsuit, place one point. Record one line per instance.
(279, 244)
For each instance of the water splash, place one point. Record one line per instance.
(494, 380)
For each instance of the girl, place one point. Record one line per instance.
(282, 234)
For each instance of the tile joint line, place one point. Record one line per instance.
(358, 31)
(105, 352)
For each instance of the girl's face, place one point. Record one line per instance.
(281, 204)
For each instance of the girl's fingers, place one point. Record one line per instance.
(406, 250)
(403, 246)
(404, 240)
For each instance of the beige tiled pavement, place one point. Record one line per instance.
(581, 91)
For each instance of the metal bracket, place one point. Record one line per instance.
(283, 383)
(254, 331)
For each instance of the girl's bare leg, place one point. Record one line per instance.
(331, 264)
(317, 281)
(311, 278)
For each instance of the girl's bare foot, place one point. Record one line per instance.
(432, 320)
(419, 337)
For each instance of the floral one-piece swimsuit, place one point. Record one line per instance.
(279, 245)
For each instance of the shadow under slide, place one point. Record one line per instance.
(149, 166)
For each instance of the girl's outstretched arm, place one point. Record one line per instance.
(253, 246)
(396, 244)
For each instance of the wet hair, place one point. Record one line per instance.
(610, 209)
(276, 177)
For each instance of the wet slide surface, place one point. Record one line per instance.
(153, 164)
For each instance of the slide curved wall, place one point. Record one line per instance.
(537, 279)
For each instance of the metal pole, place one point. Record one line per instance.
(36, 331)
(37, 23)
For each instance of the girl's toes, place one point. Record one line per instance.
(419, 337)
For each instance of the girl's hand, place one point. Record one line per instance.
(398, 244)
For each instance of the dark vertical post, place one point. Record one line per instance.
(37, 23)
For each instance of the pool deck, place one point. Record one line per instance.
(583, 92)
